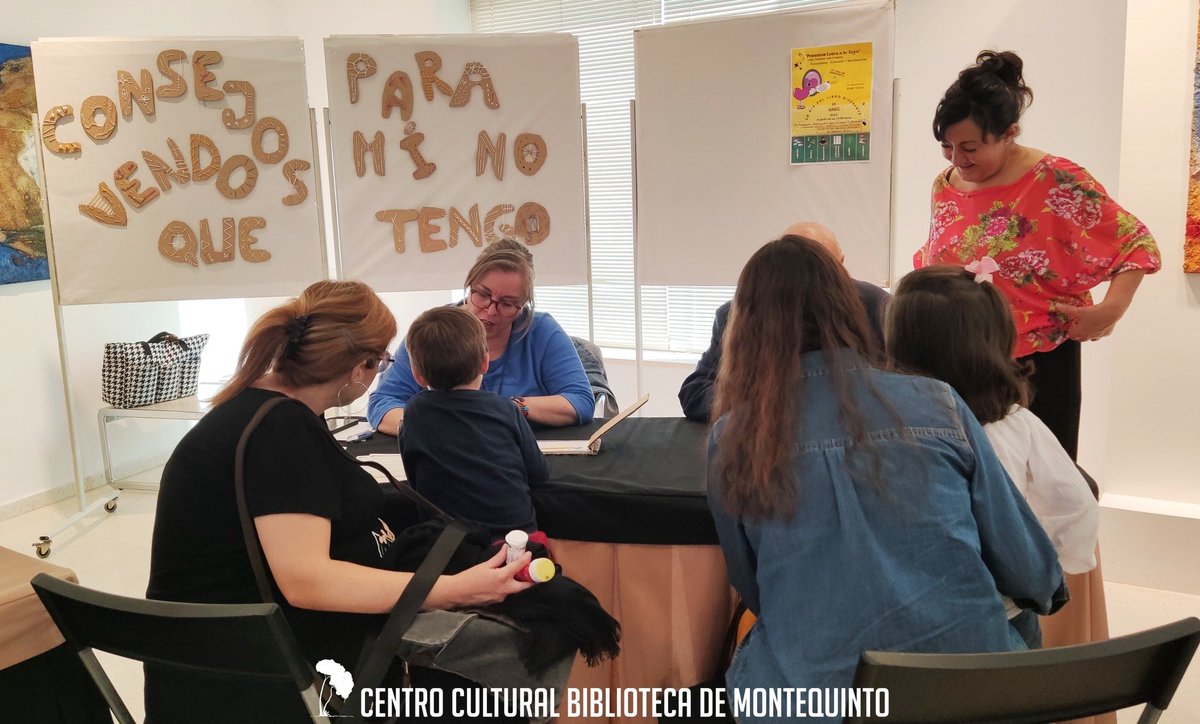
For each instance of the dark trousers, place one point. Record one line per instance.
(1056, 392)
(1026, 623)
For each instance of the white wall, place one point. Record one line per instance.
(34, 463)
(1153, 423)
(31, 393)
(1112, 88)
(1073, 63)
(934, 40)
(1113, 91)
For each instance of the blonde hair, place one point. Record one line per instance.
(507, 255)
(325, 332)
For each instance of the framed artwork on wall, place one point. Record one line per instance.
(1191, 244)
(22, 235)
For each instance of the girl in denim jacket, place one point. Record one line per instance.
(857, 508)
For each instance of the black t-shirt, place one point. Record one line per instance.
(472, 454)
(292, 466)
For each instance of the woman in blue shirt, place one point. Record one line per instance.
(857, 508)
(531, 360)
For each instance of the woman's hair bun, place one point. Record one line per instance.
(992, 93)
(1005, 65)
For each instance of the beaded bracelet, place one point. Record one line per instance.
(521, 405)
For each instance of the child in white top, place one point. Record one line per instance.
(951, 324)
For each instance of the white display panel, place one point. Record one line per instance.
(232, 210)
(714, 178)
(416, 188)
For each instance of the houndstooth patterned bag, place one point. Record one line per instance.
(165, 367)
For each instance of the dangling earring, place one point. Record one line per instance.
(344, 409)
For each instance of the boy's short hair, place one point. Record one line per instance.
(446, 346)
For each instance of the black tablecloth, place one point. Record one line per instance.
(645, 486)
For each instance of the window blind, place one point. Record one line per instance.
(673, 318)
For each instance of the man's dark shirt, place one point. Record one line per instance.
(695, 395)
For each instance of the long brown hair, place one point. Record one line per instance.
(943, 324)
(792, 297)
(507, 255)
(325, 332)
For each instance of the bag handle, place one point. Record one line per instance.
(249, 534)
(165, 337)
(404, 489)
(375, 662)
(378, 658)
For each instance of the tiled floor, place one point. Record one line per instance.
(111, 552)
(108, 551)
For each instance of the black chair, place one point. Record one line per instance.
(1033, 686)
(248, 641)
(593, 364)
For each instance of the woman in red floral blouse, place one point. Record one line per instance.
(1039, 227)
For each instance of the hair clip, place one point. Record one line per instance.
(295, 328)
(983, 269)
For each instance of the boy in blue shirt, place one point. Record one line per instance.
(469, 451)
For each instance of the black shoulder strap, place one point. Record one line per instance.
(249, 534)
(376, 661)
(378, 658)
(404, 489)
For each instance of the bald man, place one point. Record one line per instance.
(819, 233)
(695, 396)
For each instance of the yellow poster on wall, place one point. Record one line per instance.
(831, 103)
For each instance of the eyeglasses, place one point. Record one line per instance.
(387, 360)
(482, 300)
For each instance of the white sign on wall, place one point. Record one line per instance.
(444, 143)
(178, 168)
(715, 180)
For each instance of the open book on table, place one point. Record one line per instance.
(590, 446)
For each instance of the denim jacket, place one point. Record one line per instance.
(918, 565)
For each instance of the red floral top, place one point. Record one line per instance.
(1055, 234)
